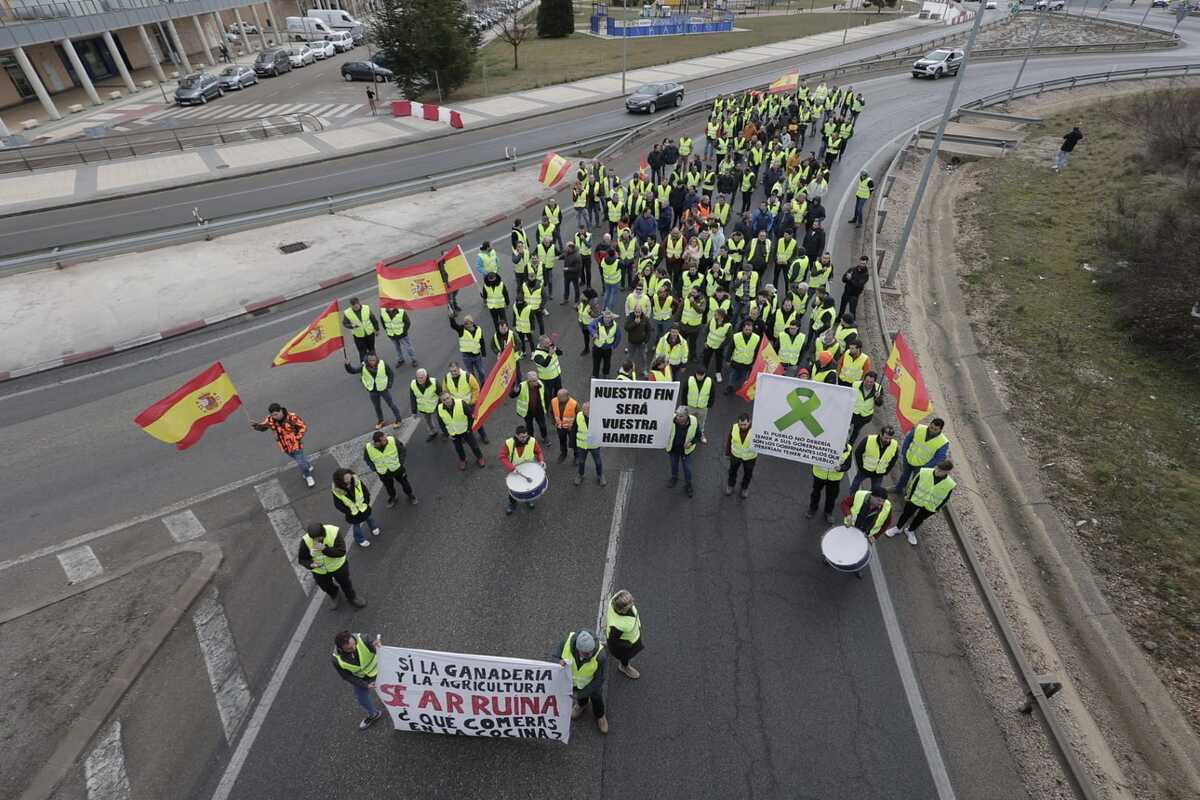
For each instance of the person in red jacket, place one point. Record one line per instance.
(518, 449)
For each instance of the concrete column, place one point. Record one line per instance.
(280, 34)
(80, 72)
(35, 81)
(175, 40)
(151, 53)
(120, 62)
(204, 44)
(262, 33)
(4, 131)
(237, 15)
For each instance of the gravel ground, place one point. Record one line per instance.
(53, 660)
(1058, 29)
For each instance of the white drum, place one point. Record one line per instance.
(527, 482)
(846, 549)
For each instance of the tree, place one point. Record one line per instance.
(428, 44)
(555, 19)
(513, 32)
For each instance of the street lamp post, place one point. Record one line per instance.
(1036, 31)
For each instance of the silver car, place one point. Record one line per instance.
(199, 87)
(301, 55)
(237, 76)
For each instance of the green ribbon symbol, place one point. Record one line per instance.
(802, 402)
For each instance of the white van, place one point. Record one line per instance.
(307, 29)
(342, 40)
(336, 18)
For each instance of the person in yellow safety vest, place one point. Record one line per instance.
(376, 379)
(549, 370)
(823, 369)
(924, 445)
(588, 663)
(673, 347)
(520, 448)
(627, 371)
(396, 325)
(854, 363)
(352, 498)
(323, 554)
(547, 258)
(862, 194)
(785, 252)
(615, 208)
(362, 324)
(745, 349)
(471, 344)
(826, 480)
(531, 403)
(456, 419)
(846, 329)
(874, 457)
(741, 456)
(715, 337)
(579, 435)
(357, 662)
(868, 396)
(638, 300)
(699, 387)
(681, 443)
(791, 345)
(463, 386)
(495, 298)
(553, 212)
(685, 146)
(423, 393)
(819, 272)
(522, 262)
(487, 260)
(624, 626)
(385, 455)
(523, 315)
(927, 492)
(869, 510)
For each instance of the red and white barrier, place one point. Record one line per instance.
(428, 111)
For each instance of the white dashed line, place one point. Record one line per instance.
(229, 687)
(184, 526)
(80, 564)
(104, 770)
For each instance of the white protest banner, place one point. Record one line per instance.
(801, 420)
(427, 691)
(631, 413)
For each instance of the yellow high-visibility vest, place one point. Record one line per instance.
(927, 492)
(360, 325)
(739, 446)
(321, 563)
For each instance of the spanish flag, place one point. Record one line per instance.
(424, 284)
(181, 417)
(497, 386)
(322, 337)
(767, 360)
(643, 168)
(785, 84)
(554, 168)
(906, 385)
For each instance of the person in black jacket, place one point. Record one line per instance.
(654, 159)
(814, 241)
(1068, 146)
(321, 547)
(354, 658)
(352, 499)
(854, 281)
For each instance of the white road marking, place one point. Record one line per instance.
(614, 545)
(912, 691)
(254, 727)
(286, 525)
(184, 526)
(346, 109)
(221, 660)
(271, 495)
(104, 770)
(80, 564)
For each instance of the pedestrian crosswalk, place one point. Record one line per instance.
(329, 113)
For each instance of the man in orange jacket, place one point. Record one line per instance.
(563, 408)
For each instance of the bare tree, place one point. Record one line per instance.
(514, 31)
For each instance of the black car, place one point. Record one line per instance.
(653, 96)
(365, 71)
(273, 62)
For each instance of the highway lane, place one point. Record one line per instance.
(21, 233)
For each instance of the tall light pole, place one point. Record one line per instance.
(898, 258)
(1036, 32)
(624, 54)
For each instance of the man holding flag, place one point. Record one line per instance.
(289, 430)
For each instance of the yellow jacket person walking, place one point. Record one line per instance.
(356, 661)
(323, 554)
(927, 492)
(624, 632)
(588, 664)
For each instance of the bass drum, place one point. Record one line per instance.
(527, 482)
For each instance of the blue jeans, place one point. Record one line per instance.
(361, 529)
(548, 280)
(710, 149)
(859, 204)
(581, 457)
(1060, 160)
(363, 695)
(676, 458)
(403, 345)
(612, 294)
(860, 476)
(301, 461)
(474, 365)
(581, 217)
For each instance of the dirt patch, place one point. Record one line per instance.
(1058, 29)
(85, 636)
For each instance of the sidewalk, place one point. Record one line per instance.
(43, 189)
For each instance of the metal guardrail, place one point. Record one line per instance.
(148, 142)
(1038, 689)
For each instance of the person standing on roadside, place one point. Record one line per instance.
(741, 455)
(323, 554)
(923, 446)
(362, 324)
(572, 267)
(385, 454)
(353, 499)
(867, 398)
(289, 431)
(583, 448)
(563, 410)
(456, 419)
(624, 632)
(681, 443)
(423, 394)
(927, 492)
(588, 664)
(874, 457)
(357, 662)
(376, 379)
(854, 281)
(396, 324)
(1071, 139)
(826, 480)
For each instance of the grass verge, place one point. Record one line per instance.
(1115, 427)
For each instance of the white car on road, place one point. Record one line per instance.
(323, 50)
(300, 55)
(938, 64)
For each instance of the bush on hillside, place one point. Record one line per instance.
(555, 19)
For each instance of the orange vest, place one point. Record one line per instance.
(566, 418)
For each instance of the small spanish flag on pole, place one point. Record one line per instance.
(554, 169)
(322, 337)
(422, 285)
(906, 385)
(766, 360)
(643, 168)
(785, 84)
(497, 386)
(181, 417)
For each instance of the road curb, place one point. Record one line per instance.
(73, 743)
(249, 309)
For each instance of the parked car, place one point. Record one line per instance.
(989, 5)
(341, 40)
(1051, 5)
(1158, 3)
(653, 96)
(273, 62)
(322, 50)
(244, 27)
(301, 55)
(237, 76)
(198, 88)
(938, 64)
(365, 71)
